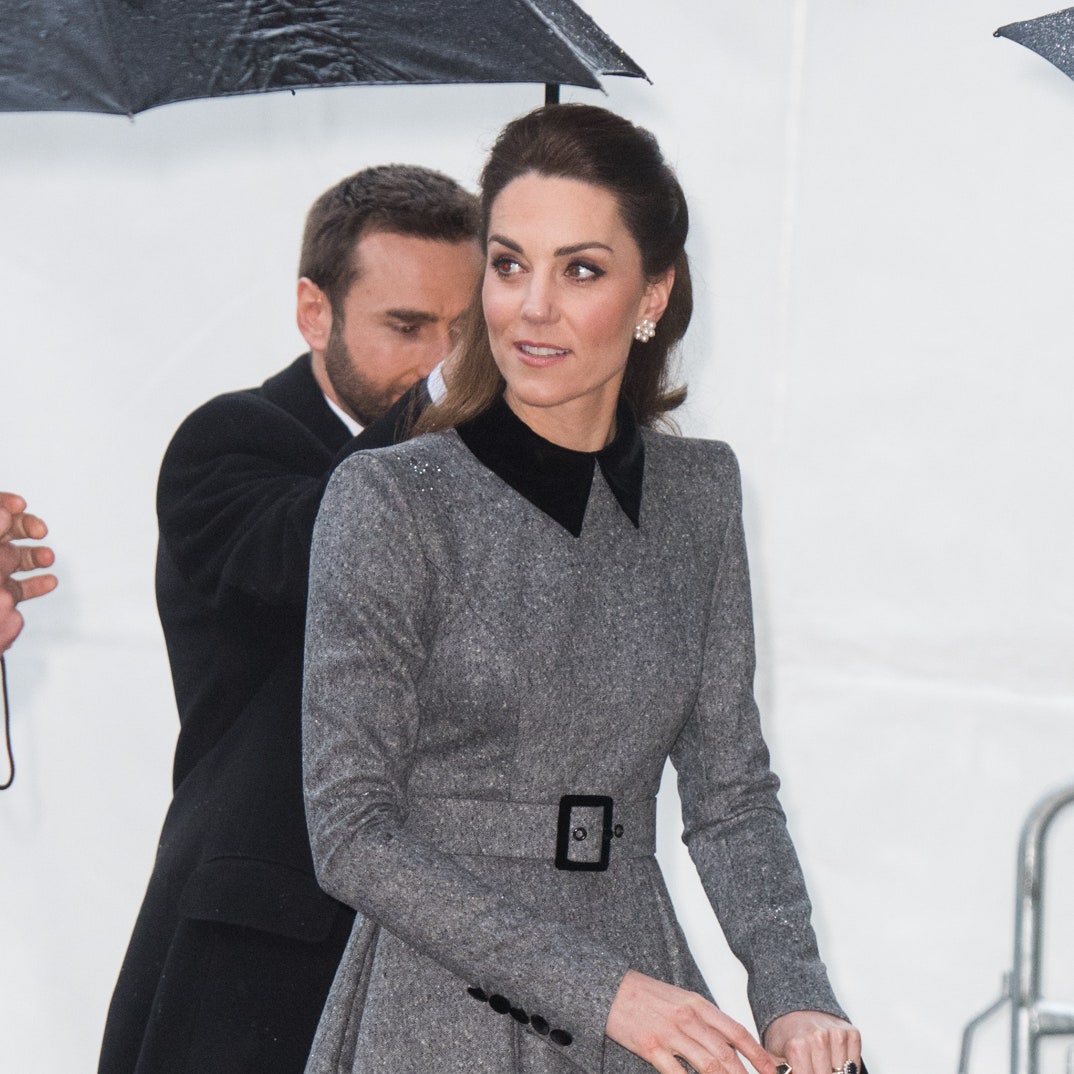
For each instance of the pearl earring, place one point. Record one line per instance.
(645, 331)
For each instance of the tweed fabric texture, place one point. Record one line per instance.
(462, 644)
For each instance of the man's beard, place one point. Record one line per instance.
(357, 394)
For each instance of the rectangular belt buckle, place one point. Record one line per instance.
(565, 832)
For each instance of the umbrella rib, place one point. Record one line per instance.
(575, 49)
(1050, 37)
(122, 80)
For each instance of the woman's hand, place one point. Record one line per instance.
(813, 1042)
(661, 1023)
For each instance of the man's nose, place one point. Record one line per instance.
(437, 351)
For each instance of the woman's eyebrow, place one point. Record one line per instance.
(503, 241)
(562, 251)
(578, 247)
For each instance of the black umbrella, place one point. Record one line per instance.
(124, 56)
(1052, 36)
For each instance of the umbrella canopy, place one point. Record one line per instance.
(124, 56)
(1052, 36)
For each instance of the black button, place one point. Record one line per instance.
(618, 830)
(539, 1024)
(500, 1004)
(579, 834)
(560, 1036)
(477, 993)
(519, 1015)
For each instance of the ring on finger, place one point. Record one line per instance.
(849, 1067)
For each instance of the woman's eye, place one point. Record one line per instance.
(506, 266)
(581, 270)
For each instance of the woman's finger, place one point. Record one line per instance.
(714, 1058)
(813, 1042)
(837, 1049)
(822, 1052)
(716, 1044)
(658, 1021)
(743, 1040)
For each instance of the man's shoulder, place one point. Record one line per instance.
(284, 391)
(293, 387)
(282, 402)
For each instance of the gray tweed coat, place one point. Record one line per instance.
(469, 663)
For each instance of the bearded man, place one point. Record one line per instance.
(235, 946)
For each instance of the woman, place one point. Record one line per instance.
(513, 622)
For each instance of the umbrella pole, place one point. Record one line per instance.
(551, 93)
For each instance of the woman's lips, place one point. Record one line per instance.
(540, 354)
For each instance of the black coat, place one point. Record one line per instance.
(236, 945)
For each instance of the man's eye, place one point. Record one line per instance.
(505, 266)
(405, 329)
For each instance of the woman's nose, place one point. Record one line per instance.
(537, 304)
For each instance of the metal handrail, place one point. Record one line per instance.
(1032, 1016)
(971, 1026)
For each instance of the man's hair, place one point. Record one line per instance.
(401, 198)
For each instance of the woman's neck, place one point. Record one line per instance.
(578, 425)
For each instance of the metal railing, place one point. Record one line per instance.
(1032, 1016)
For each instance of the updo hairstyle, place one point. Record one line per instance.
(592, 145)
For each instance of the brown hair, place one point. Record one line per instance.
(591, 144)
(401, 198)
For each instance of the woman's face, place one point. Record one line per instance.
(563, 292)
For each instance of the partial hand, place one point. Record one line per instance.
(16, 524)
(661, 1023)
(813, 1042)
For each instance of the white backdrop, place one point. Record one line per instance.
(881, 240)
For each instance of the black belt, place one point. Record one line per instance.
(579, 832)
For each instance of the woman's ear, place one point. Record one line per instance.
(657, 293)
(313, 314)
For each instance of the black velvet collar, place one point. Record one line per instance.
(553, 478)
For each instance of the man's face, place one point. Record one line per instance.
(399, 318)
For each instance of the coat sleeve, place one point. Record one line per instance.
(239, 490)
(733, 824)
(238, 494)
(366, 634)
